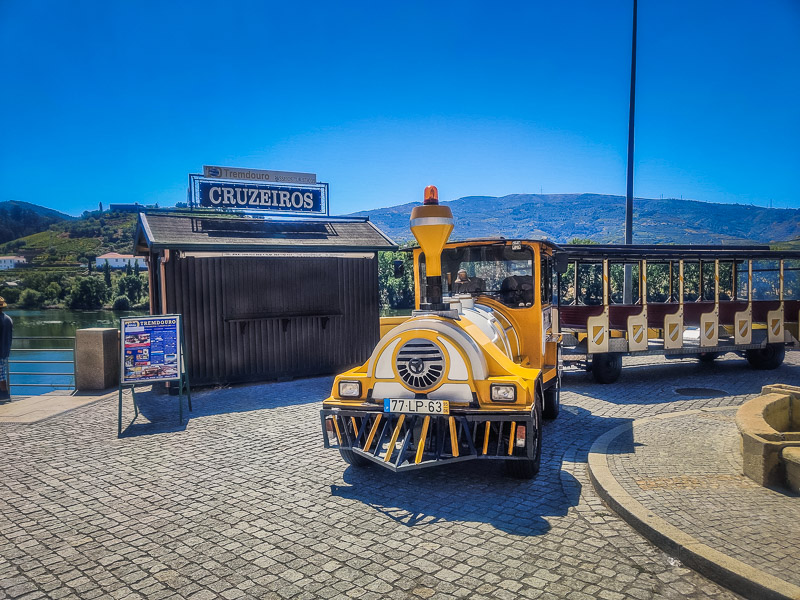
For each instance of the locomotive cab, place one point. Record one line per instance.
(471, 374)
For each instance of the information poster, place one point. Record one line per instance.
(150, 349)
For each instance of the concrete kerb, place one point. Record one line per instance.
(725, 570)
(27, 411)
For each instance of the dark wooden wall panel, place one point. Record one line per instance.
(242, 323)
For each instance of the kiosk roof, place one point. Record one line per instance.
(236, 232)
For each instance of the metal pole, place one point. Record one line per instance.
(629, 197)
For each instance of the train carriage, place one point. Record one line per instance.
(699, 301)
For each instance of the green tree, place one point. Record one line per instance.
(87, 293)
(35, 280)
(130, 286)
(136, 269)
(107, 274)
(128, 269)
(31, 299)
(52, 292)
(11, 295)
(395, 292)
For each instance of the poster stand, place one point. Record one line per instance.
(130, 382)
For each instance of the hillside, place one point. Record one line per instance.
(559, 217)
(19, 219)
(562, 217)
(69, 242)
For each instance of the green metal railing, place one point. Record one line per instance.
(39, 354)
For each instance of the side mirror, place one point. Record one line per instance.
(399, 268)
(560, 263)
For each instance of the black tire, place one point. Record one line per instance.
(767, 358)
(527, 469)
(552, 401)
(708, 357)
(607, 367)
(351, 458)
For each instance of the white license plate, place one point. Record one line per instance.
(416, 407)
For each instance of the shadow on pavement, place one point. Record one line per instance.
(159, 410)
(158, 413)
(466, 492)
(667, 377)
(480, 491)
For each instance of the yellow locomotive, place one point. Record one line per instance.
(471, 374)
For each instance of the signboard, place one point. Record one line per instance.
(258, 175)
(267, 197)
(151, 349)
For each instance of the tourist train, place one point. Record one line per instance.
(473, 371)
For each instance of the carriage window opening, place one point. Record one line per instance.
(691, 280)
(707, 273)
(589, 284)
(766, 280)
(616, 276)
(546, 275)
(791, 279)
(725, 280)
(658, 282)
(741, 279)
(566, 290)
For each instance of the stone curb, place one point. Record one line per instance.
(725, 570)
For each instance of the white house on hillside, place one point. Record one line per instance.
(10, 262)
(119, 261)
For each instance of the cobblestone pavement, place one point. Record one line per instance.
(700, 489)
(243, 502)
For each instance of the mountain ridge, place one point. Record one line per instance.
(600, 217)
(18, 219)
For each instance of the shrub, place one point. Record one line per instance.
(122, 303)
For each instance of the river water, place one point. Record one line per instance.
(33, 376)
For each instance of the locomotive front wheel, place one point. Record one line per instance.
(767, 358)
(351, 458)
(552, 401)
(606, 367)
(528, 468)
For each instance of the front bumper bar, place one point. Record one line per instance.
(402, 442)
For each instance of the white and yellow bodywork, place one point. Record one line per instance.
(463, 378)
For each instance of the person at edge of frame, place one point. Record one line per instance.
(6, 332)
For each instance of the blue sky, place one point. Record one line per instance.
(120, 101)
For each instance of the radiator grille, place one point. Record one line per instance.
(420, 364)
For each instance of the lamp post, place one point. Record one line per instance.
(627, 288)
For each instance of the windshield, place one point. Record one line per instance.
(496, 271)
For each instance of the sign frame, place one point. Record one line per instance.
(181, 376)
(265, 175)
(124, 346)
(321, 188)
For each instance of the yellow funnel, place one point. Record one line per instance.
(432, 224)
